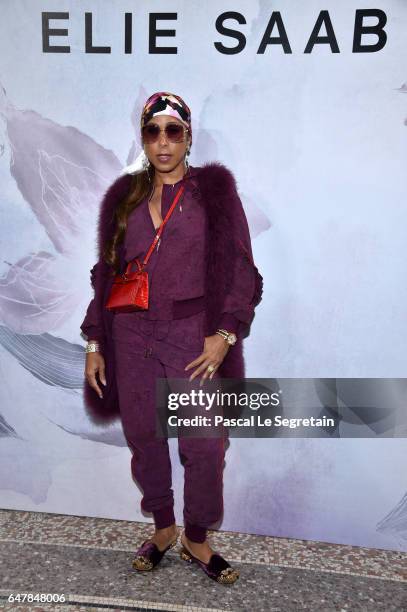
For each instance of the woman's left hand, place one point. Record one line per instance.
(215, 350)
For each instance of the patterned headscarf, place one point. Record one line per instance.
(166, 103)
(160, 103)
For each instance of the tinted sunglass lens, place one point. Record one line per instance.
(150, 133)
(174, 132)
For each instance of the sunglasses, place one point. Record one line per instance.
(173, 131)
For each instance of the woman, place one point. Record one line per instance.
(203, 288)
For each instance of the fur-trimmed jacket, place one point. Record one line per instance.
(229, 252)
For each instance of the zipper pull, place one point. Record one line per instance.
(158, 243)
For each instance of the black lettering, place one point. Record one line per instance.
(329, 39)
(282, 39)
(361, 29)
(240, 37)
(89, 48)
(128, 32)
(154, 33)
(47, 32)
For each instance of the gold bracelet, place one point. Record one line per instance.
(223, 333)
(92, 347)
(229, 337)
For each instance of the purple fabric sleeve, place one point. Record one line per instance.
(229, 322)
(92, 325)
(239, 305)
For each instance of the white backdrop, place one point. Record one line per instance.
(317, 143)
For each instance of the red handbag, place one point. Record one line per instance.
(130, 289)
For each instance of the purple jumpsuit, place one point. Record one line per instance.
(151, 344)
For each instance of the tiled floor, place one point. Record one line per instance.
(89, 561)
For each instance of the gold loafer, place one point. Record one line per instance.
(149, 555)
(217, 568)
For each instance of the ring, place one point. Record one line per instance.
(210, 368)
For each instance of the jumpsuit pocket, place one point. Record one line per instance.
(129, 339)
(187, 334)
(125, 326)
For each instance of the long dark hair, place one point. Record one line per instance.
(140, 186)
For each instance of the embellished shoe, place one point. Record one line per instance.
(149, 555)
(217, 568)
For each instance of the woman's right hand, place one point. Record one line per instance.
(95, 364)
